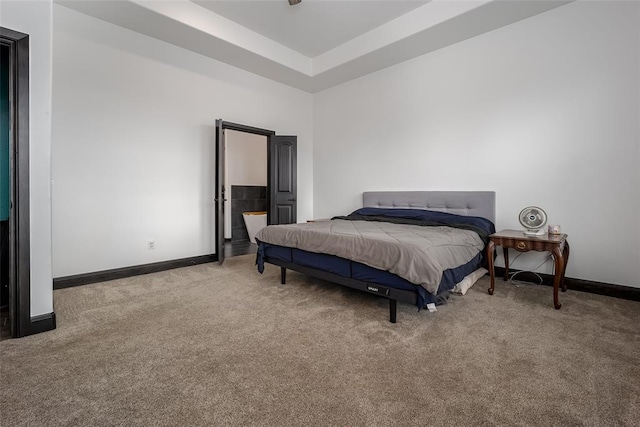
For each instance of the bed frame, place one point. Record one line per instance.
(467, 203)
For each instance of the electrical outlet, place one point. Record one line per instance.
(151, 244)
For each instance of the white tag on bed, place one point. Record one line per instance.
(431, 307)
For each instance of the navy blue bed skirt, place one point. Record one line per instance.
(355, 270)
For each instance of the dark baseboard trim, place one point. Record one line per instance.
(42, 323)
(136, 270)
(608, 289)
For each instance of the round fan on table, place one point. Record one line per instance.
(533, 219)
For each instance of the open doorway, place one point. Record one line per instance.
(14, 182)
(281, 188)
(246, 178)
(5, 320)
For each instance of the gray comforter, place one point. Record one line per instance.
(417, 254)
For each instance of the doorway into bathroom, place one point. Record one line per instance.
(281, 187)
(246, 198)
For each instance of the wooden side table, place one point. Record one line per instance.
(557, 244)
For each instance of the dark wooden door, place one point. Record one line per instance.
(282, 179)
(220, 191)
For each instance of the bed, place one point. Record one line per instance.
(407, 246)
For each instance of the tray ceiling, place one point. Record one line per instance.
(316, 44)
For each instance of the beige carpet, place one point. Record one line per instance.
(210, 345)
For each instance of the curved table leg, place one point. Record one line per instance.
(565, 255)
(490, 249)
(557, 278)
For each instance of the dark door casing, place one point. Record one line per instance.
(220, 191)
(19, 226)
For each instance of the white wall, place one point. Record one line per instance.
(246, 165)
(133, 143)
(34, 18)
(544, 111)
(247, 158)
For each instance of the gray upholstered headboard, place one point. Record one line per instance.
(468, 203)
